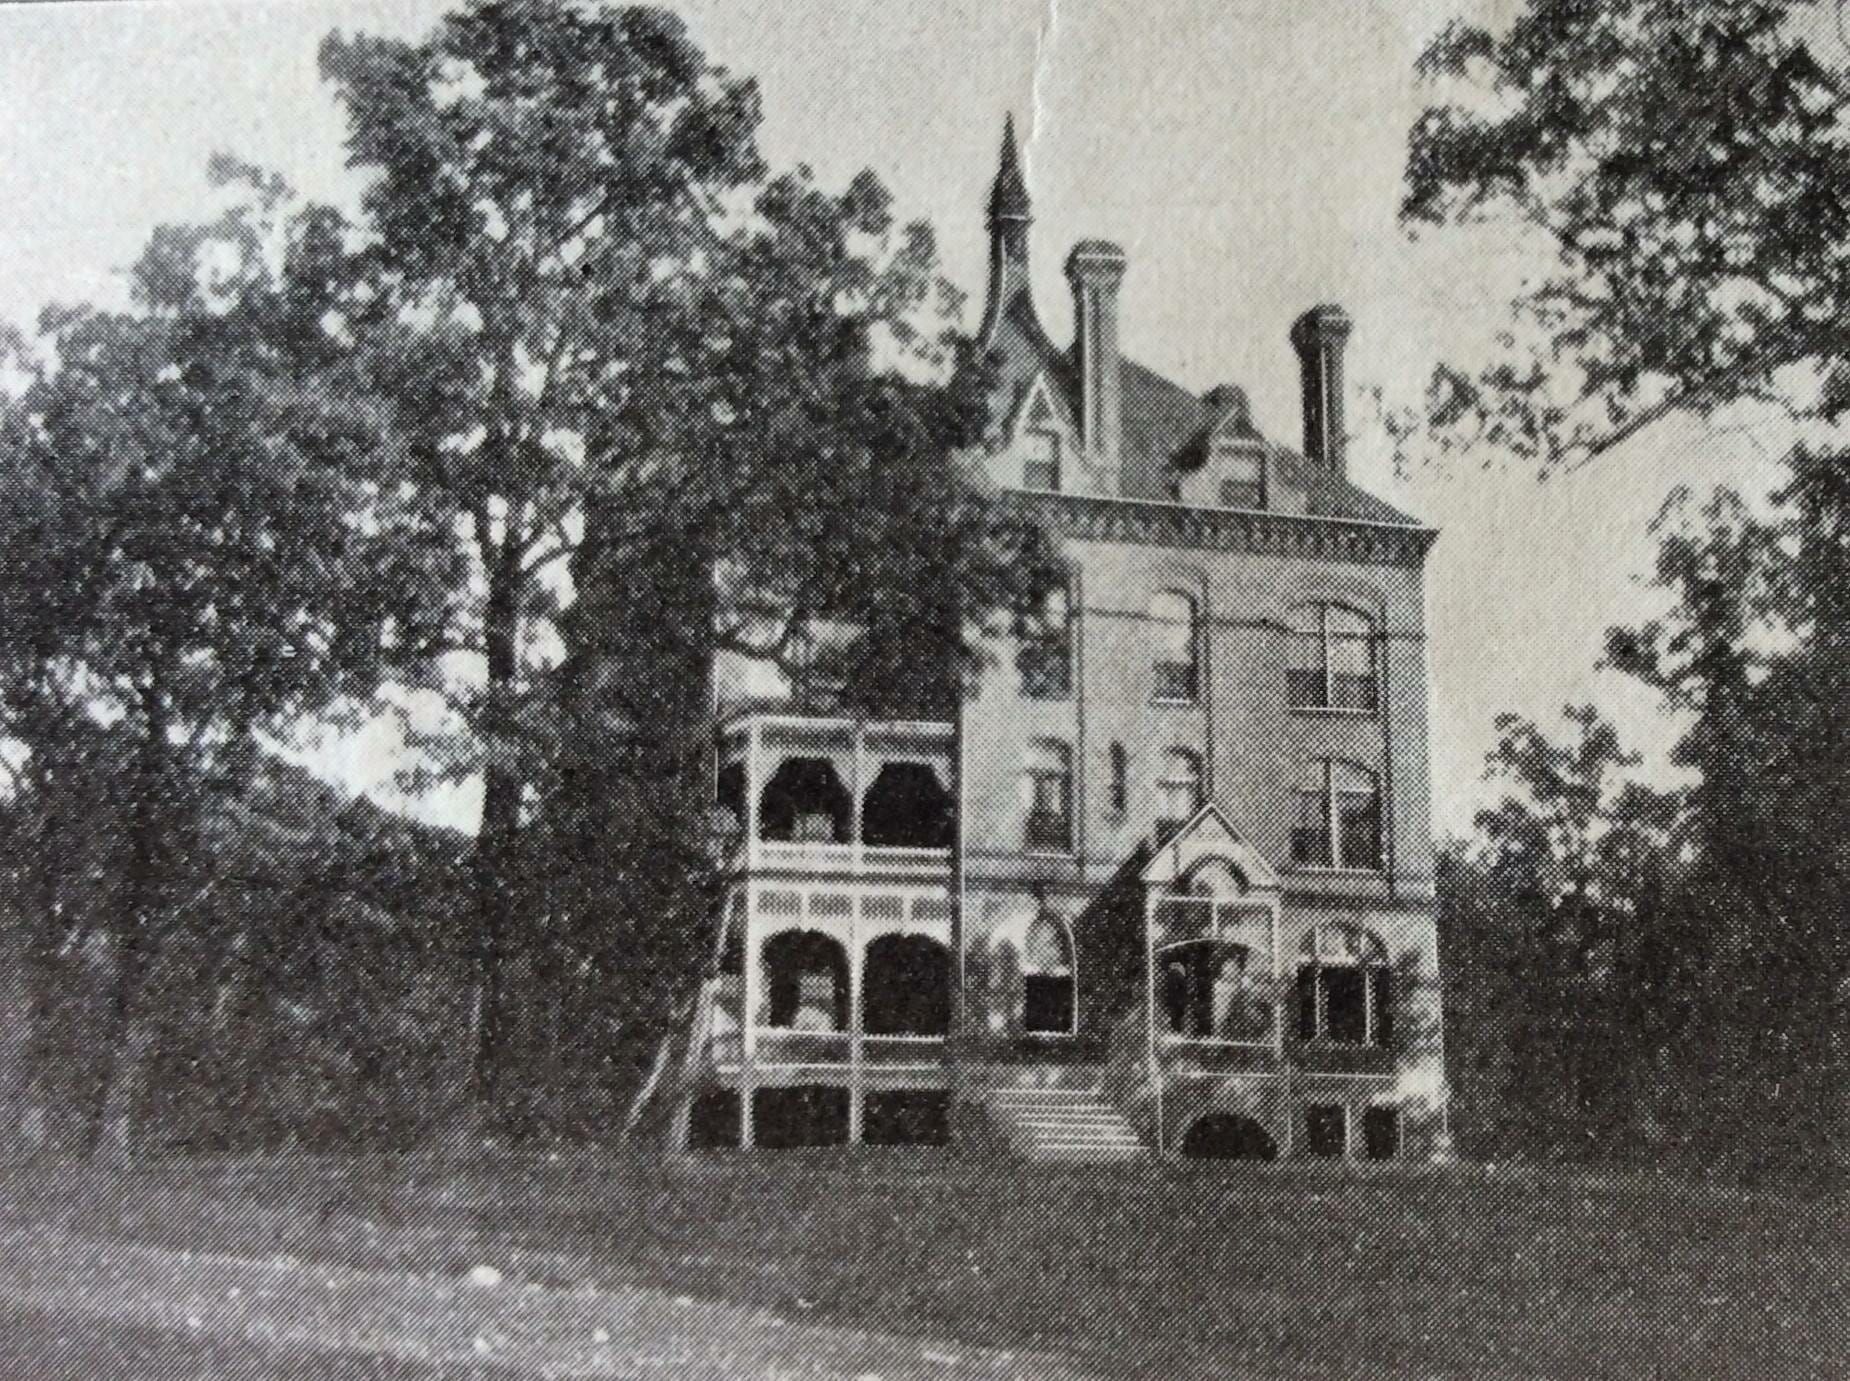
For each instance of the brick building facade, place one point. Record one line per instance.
(1165, 882)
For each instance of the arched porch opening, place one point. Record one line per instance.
(907, 808)
(1228, 1136)
(906, 987)
(806, 981)
(805, 802)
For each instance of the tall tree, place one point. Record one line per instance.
(1682, 167)
(619, 361)
(176, 544)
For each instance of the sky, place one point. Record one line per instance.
(1246, 153)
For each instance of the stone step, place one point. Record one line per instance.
(1063, 1124)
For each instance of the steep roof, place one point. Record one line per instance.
(1163, 422)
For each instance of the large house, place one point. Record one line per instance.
(1165, 883)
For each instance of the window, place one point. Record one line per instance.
(1333, 661)
(1047, 999)
(1040, 466)
(1047, 791)
(1326, 1130)
(1178, 791)
(1338, 819)
(1381, 1133)
(1242, 482)
(1345, 988)
(1045, 658)
(1177, 653)
(1120, 778)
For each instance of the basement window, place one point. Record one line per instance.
(1326, 1130)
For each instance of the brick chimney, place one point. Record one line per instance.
(1319, 337)
(1095, 268)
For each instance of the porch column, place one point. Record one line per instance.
(856, 971)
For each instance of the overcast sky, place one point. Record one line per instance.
(1246, 153)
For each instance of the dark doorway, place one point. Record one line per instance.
(801, 1115)
(906, 990)
(907, 1117)
(1229, 1136)
(907, 808)
(805, 802)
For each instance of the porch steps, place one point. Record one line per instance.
(1063, 1124)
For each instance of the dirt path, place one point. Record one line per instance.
(507, 1327)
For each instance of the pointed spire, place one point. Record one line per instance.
(1008, 236)
(1008, 199)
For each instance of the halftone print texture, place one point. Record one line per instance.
(630, 749)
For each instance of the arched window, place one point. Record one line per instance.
(906, 987)
(1176, 650)
(1045, 657)
(907, 807)
(1338, 821)
(1048, 1007)
(805, 801)
(1178, 791)
(1332, 660)
(1345, 987)
(1205, 992)
(1047, 796)
(806, 981)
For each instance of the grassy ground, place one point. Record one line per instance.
(1137, 1270)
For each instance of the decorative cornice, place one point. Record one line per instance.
(1148, 523)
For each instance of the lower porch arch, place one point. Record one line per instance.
(1228, 1136)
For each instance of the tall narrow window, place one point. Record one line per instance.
(1045, 658)
(1178, 791)
(1047, 791)
(1177, 646)
(1333, 660)
(1047, 1005)
(1120, 779)
(1338, 822)
(1040, 466)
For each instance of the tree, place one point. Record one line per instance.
(1681, 166)
(1551, 922)
(640, 401)
(176, 551)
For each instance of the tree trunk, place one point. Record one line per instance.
(496, 843)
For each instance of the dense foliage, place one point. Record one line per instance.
(585, 395)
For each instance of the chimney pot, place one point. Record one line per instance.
(1095, 268)
(1320, 336)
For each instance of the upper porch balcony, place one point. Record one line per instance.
(820, 794)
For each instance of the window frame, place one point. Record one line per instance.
(1031, 460)
(1034, 778)
(1055, 644)
(1161, 631)
(1070, 978)
(1225, 453)
(1325, 641)
(1171, 779)
(1368, 960)
(1329, 796)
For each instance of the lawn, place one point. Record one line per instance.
(1138, 1270)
